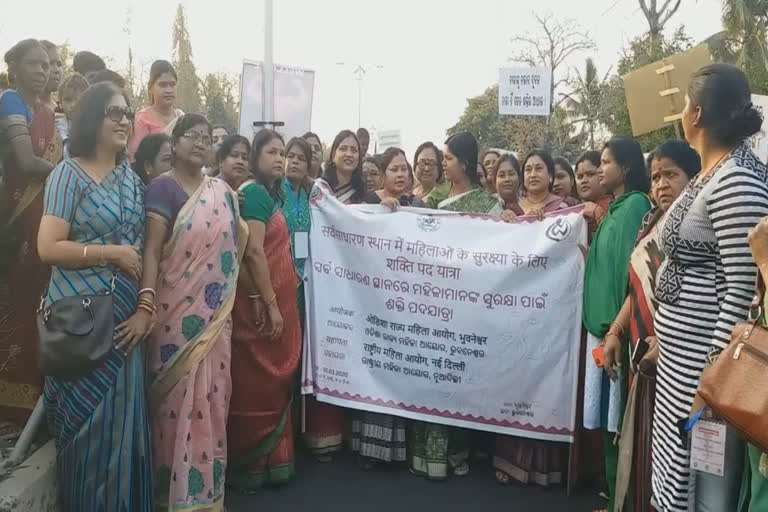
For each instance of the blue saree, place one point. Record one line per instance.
(99, 421)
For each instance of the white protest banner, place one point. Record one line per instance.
(454, 319)
(525, 91)
(759, 141)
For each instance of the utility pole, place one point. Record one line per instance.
(359, 72)
(269, 64)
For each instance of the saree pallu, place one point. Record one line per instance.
(190, 351)
(633, 482)
(99, 423)
(22, 277)
(260, 426)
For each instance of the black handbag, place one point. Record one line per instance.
(75, 334)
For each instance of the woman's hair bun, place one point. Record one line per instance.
(748, 121)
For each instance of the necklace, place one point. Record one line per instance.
(189, 188)
(704, 175)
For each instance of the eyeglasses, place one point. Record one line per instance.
(426, 165)
(198, 138)
(116, 113)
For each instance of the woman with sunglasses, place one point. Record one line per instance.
(30, 147)
(194, 245)
(91, 234)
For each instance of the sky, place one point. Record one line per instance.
(425, 58)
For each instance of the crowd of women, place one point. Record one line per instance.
(200, 238)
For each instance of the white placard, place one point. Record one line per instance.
(452, 319)
(293, 99)
(525, 91)
(759, 141)
(388, 139)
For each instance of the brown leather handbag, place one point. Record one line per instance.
(735, 387)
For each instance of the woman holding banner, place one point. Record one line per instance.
(436, 449)
(623, 175)
(344, 175)
(515, 458)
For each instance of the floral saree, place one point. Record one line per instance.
(190, 350)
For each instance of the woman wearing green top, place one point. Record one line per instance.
(623, 175)
(434, 449)
(266, 331)
(462, 192)
(296, 187)
(756, 476)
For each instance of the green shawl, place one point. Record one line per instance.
(607, 276)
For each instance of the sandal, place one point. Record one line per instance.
(461, 470)
(502, 477)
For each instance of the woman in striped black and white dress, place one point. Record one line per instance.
(707, 281)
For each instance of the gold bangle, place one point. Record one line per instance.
(145, 309)
(85, 252)
(272, 300)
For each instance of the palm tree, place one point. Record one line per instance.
(585, 103)
(744, 41)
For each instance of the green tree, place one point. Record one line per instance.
(554, 42)
(517, 133)
(188, 88)
(585, 103)
(220, 104)
(743, 42)
(640, 52)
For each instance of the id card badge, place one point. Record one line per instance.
(708, 447)
(301, 245)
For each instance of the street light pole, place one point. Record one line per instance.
(269, 64)
(360, 71)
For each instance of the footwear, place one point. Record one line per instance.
(502, 478)
(461, 470)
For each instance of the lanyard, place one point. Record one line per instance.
(296, 202)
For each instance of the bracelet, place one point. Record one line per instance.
(255, 296)
(619, 328)
(148, 290)
(146, 308)
(272, 300)
(148, 303)
(85, 252)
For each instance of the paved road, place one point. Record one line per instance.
(341, 487)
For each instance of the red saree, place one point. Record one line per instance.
(260, 426)
(22, 275)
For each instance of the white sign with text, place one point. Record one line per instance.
(525, 91)
(455, 319)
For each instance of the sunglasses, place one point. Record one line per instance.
(115, 113)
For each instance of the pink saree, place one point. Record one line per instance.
(190, 350)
